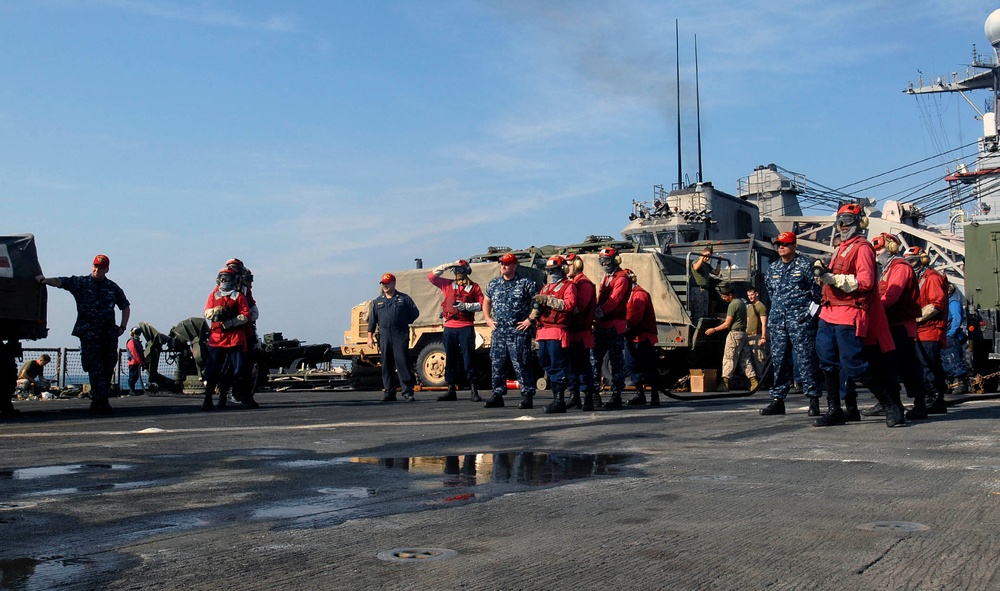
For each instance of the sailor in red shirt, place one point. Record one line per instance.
(227, 311)
(609, 324)
(244, 394)
(931, 325)
(640, 345)
(581, 336)
(462, 299)
(552, 308)
(853, 332)
(897, 289)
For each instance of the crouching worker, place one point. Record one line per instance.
(227, 311)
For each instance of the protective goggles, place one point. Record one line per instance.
(847, 219)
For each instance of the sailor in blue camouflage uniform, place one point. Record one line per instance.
(791, 328)
(507, 304)
(96, 298)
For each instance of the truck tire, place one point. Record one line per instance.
(430, 365)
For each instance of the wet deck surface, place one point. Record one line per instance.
(333, 490)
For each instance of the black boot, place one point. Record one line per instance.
(598, 403)
(207, 405)
(814, 406)
(526, 402)
(495, 401)
(389, 396)
(475, 393)
(451, 394)
(893, 407)
(937, 405)
(919, 410)
(588, 402)
(775, 407)
(851, 412)
(223, 401)
(654, 397)
(574, 400)
(558, 404)
(834, 414)
(640, 396)
(615, 403)
(876, 410)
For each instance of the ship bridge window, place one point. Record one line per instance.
(644, 239)
(665, 238)
(744, 223)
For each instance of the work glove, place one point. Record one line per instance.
(598, 313)
(927, 312)
(213, 314)
(440, 269)
(468, 306)
(234, 322)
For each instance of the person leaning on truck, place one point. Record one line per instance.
(393, 312)
(462, 299)
(506, 305)
(96, 298)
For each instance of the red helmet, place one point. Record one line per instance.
(227, 271)
(608, 252)
(508, 259)
(913, 252)
(851, 208)
(785, 238)
(555, 261)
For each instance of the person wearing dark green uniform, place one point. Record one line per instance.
(737, 350)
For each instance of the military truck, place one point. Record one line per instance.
(982, 292)
(662, 240)
(23, 308)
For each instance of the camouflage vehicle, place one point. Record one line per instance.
(23, 306)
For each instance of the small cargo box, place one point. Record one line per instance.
(703, 380)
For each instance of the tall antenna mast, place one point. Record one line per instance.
(697, 94)
(677, 43)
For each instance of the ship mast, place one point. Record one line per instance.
(981, 74)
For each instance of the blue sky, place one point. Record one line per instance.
(325, 143)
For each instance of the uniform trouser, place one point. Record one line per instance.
(929, 353)
(907, 367)
(396, 361)
(554, 359)
(459, 344)
(134, 372)
(219, 359)
(793, 355)
(8, 375)
(953, 359)
(842, 352)
(758, 354)
(98, 356)
(581, 368)
(607, 342)
(515, 346)
(737, 353)
(640, 361)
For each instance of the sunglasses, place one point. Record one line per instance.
(783, 243)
